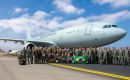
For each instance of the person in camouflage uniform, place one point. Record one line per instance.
(118, 57)
(35, 54)
(94, 55)
(105, 56)
(89, 55)
(29, 55)
(43, 55)
(100, 55)
(114, 52)
(126, 57)
(23, 56)
(109, 56)
(122, 54)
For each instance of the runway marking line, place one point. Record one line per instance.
(93, 71)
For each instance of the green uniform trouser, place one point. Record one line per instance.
(30, 59)
(114, 60)
(43, 59)
(126, 61)
(105, 60)
(105, 57)
(109, 57)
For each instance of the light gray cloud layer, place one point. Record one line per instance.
(67, 7)
(113, 3)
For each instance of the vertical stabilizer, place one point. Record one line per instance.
(28, 34)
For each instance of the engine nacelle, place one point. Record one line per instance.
(30, 45)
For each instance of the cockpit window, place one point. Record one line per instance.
(114, 25)
(107, 26)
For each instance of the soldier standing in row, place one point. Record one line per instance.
(122, 52)
(126, 57)
(100, 55)
(35, 55)
(43, 55)
(114, 52)
(23, 55)
(109, 56)
(89, 55)
(29, 55)
(105, 56)
(63, 56)
(120, 56)
(93, 56)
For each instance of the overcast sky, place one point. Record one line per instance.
(44, 16)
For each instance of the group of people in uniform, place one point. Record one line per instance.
(117, 56)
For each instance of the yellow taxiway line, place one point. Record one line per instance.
(94, 72)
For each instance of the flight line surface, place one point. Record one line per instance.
(11, 70)
(114, 69)
(98, 69)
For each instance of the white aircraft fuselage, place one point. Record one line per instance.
(93, 34)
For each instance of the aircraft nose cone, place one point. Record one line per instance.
(122, 32)
(118, 34)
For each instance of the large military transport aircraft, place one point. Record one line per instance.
(93, 34)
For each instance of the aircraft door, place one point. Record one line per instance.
(87, 36)
(88, 29)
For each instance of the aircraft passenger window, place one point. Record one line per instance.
(114, 25)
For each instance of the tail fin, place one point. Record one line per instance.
(28, 34)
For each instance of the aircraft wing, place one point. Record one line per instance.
(42, 43)
(15, 40)
(30, 40)
(38, 43)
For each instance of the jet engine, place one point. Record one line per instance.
(30, 45)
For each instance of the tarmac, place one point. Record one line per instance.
(114, 69)
(11, 70)
(107, 70)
